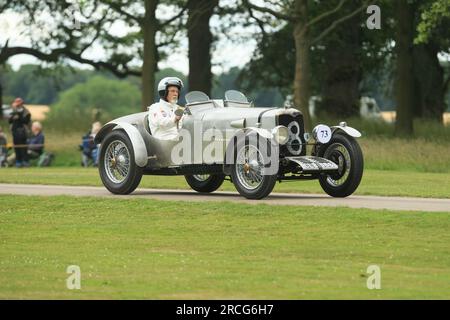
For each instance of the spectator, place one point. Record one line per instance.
(96, 126)
(88, 146)
(36, 142)
(3, 148)
(3, 140)
(20, 119)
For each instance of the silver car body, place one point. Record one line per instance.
(223, 118)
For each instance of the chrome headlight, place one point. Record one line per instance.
(280, 134)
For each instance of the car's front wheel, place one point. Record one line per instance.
(205, 182)
(248, 172)
(346, 153)
(118, 170)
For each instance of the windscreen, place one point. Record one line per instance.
(236, 96)
(196, 96)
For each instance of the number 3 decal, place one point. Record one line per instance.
(294, 144)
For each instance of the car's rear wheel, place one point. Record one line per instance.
(118, 170)
(205, 182)
(346, 153)
(248, 172)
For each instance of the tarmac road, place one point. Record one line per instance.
(370, 202)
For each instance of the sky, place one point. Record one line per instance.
(225, 56)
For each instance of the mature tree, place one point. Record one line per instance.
(422, 33)
(434, 21)
(432, 38)
(80, 25)
(200, 40)
(271, 64)
(141, 16)
(430, 85)
(67, 34)
(342, 66)
(298, 12)
(404, 75)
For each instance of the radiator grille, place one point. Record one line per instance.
(296, 144)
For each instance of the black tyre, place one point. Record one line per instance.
(247, 172)
(117, 167)
(205, 183)
(346, 153)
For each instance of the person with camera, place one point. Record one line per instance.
(20, 120)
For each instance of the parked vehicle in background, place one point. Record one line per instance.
(368, 107)
(5, 111)
(38, 112)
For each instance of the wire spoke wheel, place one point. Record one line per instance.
(201, 177)
(117, 166)
(117, 161)
(205, 182)
(251, 173)
(339, 155)
(249, 167)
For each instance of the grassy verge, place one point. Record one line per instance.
(165, 250)
(375, 182)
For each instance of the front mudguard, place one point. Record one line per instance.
(230, 156)
(341, 128)
(352, 132)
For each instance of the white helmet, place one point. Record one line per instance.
(167, 82)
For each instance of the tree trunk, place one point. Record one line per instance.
(404, 77)
(429, 83)
(343, 71)
(200, 40)
(302, 63)
(149, 65)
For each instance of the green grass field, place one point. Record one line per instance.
(139, 248)
(375, 182)
(152, 249)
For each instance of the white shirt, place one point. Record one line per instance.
(162, 120)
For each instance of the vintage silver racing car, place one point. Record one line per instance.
(254, 147)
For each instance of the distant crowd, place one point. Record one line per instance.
(28, 141)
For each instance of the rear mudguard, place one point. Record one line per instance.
(139, 148)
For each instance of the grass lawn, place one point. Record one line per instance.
(375, 182)
(167, 250)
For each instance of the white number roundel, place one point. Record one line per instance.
(322, 133)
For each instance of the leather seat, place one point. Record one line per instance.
(146, 124)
